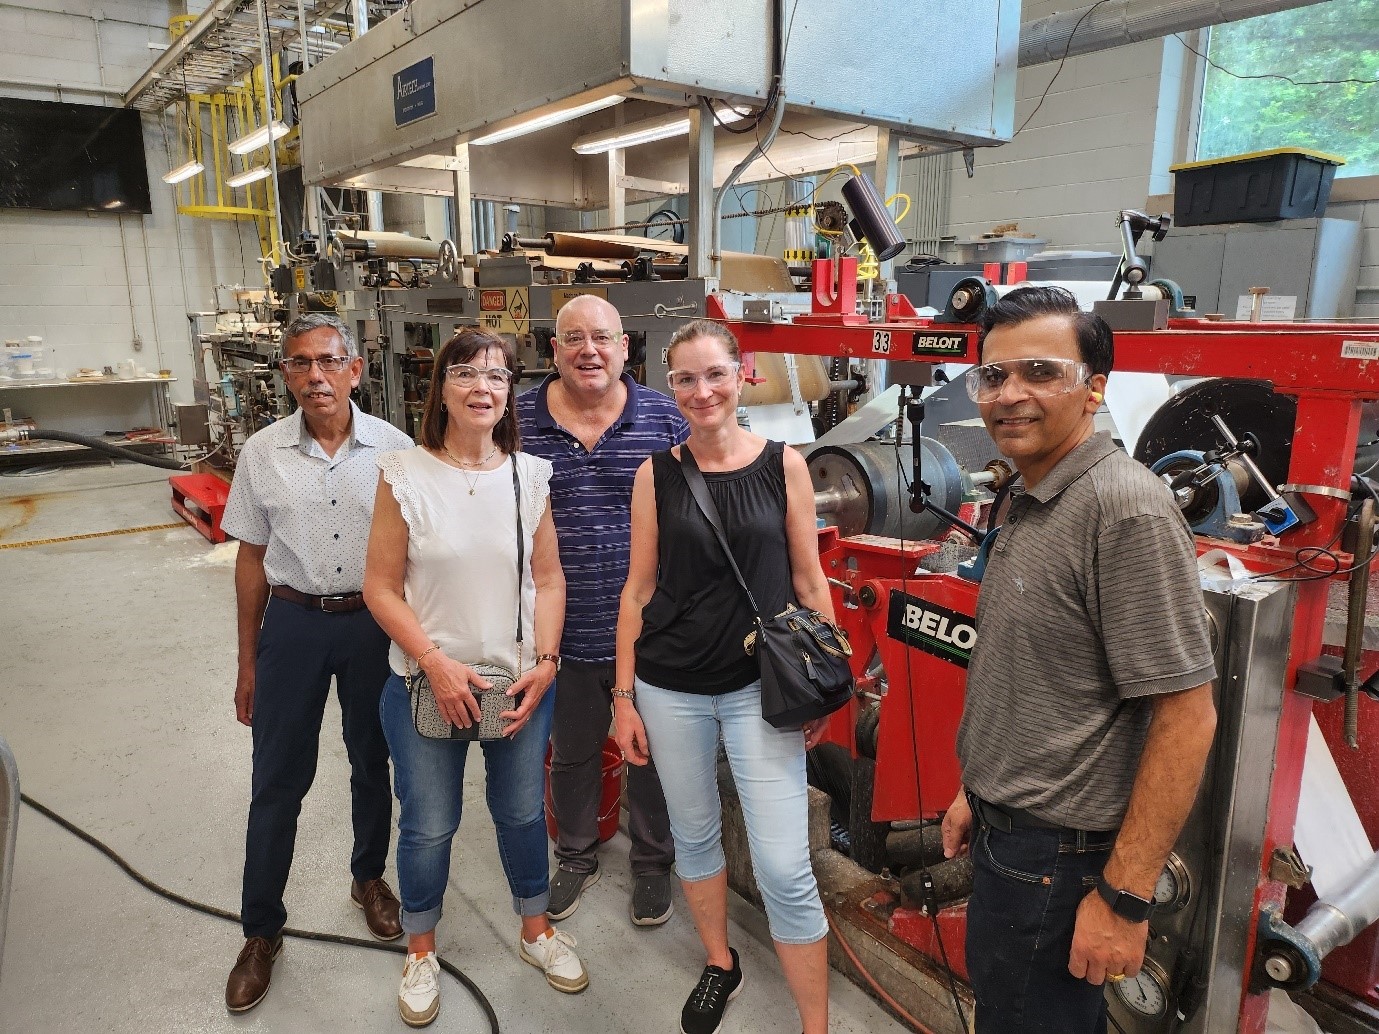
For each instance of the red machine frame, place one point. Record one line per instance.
(1330, 368)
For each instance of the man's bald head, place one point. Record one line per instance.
(590, 348)
(586, 308)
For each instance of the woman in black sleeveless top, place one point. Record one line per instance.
(685, 681)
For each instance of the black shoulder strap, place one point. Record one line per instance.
(521, 555)
(694, 478)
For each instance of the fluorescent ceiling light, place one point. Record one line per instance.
(240, 179)
(661, 127)
(546, 121)
(256, 138)
(184, 172)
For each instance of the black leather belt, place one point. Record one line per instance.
(344, 603)
(1005, 818)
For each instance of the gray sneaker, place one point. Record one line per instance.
(651, 903)
(566, 888)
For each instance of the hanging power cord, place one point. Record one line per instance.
(222, 913)
(931, 902)
(1059, 70)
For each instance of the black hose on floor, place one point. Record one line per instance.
(222, 913)
(118, 452)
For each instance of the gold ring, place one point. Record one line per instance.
(1115, 978)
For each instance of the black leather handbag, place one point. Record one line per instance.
(803, 656)
(426, 716)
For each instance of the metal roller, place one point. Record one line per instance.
(862, 491)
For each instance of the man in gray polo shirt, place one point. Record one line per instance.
(1089, 711)
(301, 506)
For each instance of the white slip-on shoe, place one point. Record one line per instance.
(552, 953)
(419, 998)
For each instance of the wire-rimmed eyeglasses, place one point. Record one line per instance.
(327, 363)
(573, 339)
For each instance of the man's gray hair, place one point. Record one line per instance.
(309, 321)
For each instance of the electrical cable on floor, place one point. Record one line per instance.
(871, 980)
(222, 913)
(95, 444)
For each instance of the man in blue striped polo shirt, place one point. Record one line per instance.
(596, 425)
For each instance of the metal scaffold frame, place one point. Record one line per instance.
(223, 43)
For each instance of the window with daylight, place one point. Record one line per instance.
(1301, 78)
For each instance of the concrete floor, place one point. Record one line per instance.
(116, 698)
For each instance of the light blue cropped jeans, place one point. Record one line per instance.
(683, 730)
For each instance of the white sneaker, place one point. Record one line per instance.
(419, 998)
(551, 953)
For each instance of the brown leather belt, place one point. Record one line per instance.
(345, 603)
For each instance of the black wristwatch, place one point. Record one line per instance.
(1123, 903)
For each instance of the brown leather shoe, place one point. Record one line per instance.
(253, 970)
(380, 906)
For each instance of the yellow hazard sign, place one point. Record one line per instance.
(506, 310)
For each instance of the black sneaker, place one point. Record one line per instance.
(703, 1011)
(566, 888)
(651, 904)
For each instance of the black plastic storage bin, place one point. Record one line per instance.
(1285, 183)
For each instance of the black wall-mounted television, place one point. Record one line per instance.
(71, 157)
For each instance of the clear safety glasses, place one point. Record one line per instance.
(466, 376)
(1040, 378)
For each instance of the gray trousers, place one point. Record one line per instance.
(583, 709)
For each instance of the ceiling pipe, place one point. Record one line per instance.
(1118, 22)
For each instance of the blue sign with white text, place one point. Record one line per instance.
(414, 93)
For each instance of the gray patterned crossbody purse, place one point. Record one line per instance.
(426, 716)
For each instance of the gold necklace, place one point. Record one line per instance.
(473, 483)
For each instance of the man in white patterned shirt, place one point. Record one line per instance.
(301, 506)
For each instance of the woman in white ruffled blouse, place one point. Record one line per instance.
(442, 581)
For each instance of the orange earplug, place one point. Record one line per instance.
(1096, 396)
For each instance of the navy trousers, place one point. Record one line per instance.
(299, 651)
(1026, 887)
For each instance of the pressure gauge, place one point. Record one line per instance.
(1174, 887)
(1146, 993)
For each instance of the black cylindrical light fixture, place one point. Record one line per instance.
(874, 217)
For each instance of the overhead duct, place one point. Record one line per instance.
(1118, 22)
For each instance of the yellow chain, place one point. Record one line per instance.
(93, 535)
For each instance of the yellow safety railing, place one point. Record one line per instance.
(208, 123)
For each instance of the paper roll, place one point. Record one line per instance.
(1328, 831)
(775, 387)
(755, 273)
(393, 245)
(595, 245)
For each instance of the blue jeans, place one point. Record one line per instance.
(1026, 887)
(428, 778)
(683, 730)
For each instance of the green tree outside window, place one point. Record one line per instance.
(1329, 41)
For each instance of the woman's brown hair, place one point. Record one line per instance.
(704, 328)
(464, 346)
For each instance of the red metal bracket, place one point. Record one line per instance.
(200, 499)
